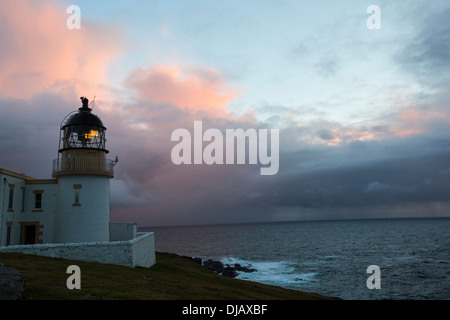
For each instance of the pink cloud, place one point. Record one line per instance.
(200, 90)
(39, 52)
(418, 117)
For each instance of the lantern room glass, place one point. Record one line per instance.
(83, 136)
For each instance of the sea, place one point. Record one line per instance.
(331, 258)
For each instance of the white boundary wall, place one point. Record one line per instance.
(122, 231)
(138, 252)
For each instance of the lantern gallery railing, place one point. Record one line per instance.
(83, 165)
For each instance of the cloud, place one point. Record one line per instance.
(358, 173)
(139, 131)
(126, 193)
(427, 55)
(378, 187)
(327, 66)
(40, 53)
(361, 175)
(29, 132)
(201, 89)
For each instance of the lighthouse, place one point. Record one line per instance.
(68, 216)
(83, 171)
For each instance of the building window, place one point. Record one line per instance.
(11, 197)
(23, 199)
(77, 196)
(38, 203)
(8, 235)
(38, 200)
(77, 188)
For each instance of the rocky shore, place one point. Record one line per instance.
(173, 277)
(226, 270)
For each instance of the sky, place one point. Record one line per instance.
(363, 114)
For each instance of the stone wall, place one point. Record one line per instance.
(137, 252)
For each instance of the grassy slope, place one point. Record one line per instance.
(172, 278)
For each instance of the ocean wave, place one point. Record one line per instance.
(279, 273)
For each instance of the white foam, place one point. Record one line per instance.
(280, 273)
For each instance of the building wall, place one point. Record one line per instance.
(138, 252)
(6, 215)
(23, 211)
(49, 207)
(44, 216)
(10, 215)
(87, 220)
(120, 231)
(56, 215)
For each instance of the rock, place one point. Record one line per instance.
(229, 272)
(12, 284)
(212, 265)
(225, 270)
(238, 267)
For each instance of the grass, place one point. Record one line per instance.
(171, 278)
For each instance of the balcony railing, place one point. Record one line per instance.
(83, 165)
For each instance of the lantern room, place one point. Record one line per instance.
(83, 130)
(82, 147)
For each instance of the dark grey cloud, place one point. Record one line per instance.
(325, 134)
(393, 184)
(427, 55)
(29, 132)
(392, 181)
(402, 173)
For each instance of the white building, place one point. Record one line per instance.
(68, 216)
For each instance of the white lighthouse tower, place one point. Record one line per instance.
(83, 172)
(69, 216)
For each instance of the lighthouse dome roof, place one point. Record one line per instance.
(84, 117)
